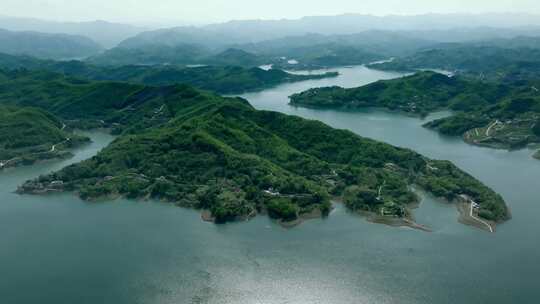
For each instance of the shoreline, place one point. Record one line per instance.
(19, 160)
(52, 155)
(465, 218)
(463, 207)
(421, 116)
(393, 221)
(206, 216)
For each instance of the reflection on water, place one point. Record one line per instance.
(57, 249)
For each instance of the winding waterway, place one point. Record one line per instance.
(58, 249)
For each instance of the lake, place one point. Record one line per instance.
(58, 249)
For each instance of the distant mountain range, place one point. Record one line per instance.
(506, 60)
(354, 23)
(440, 28)
(318, 37)
(107, 34)
(49, 46)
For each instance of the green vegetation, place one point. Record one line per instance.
(226, 79)
(487, 114)
(447, 181)
(179, 55)
(28, 135)
(221, 79)
(322, 56)
(221, 154)
(458, 124)
(77, 102)
(484, 62)
(235, 57)
(149, 55)
(421, 93)
(511, 123)
(308, 52)
(91, 104)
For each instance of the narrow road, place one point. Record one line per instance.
(480, 220)
(490, 127)
(380, 191)
(53, 148)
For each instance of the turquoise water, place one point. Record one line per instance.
(58, 249)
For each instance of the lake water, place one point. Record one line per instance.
(58, 249)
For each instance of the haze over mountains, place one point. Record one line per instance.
(48, 46)
(451, 27)
(438, 27)
(107, 34)
(318, 42)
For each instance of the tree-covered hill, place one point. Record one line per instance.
(181, 54)
(223, 155)
(84, 103)
(480, 61)
(235, 57)
(29, 134)
(511, 123)
(321, 56)
(421, 93)
(311, 51)
(485, 113)
(221, 79)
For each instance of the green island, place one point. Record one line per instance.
(29, 135)
(488, 114)
(196, 149)
(224, 79)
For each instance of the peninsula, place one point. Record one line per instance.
(200, 150)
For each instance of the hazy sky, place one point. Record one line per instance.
(223, 10)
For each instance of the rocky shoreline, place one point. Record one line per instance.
(463, 205)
